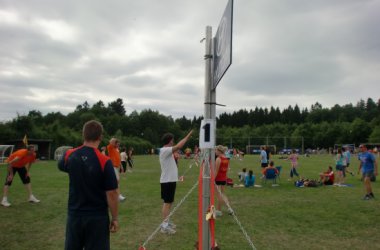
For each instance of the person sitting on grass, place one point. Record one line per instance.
(327, 178)
(242, 175)
(249, 179)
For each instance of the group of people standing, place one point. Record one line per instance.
(94, 193)
(93, 186)
(94, 182)
(119, 159)
(342, 164)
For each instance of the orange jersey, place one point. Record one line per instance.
(114, 155)
(24, 158)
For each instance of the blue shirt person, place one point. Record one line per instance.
(368, 166)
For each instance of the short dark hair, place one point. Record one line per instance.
(92, 130)
(166, 138)
(250, 173)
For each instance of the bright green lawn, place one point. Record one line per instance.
(283, 217)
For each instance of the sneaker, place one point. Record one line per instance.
(218, 213)
(5, 203)
(367, 197)
(167, 230)
(371, 195)
(33, 199)
(121, 198)
(172, 225)
(230, 211)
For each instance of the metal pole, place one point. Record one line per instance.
(209, 111)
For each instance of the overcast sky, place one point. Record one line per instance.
(55, 55)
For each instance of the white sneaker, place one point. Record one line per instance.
(167, 230)
(121, 198)
(230, 211)
(5, 203)
(33, 199)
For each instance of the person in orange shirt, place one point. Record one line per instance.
(20, 162)
(114, 155)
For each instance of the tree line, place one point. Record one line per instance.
(318, 126)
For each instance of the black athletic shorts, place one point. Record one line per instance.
(124, 166)
(87, 232)
(329, 182)
(221, 183)
(168, 191)
(21, 172)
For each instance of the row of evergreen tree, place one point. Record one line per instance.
(319, 126)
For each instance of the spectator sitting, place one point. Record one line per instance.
(271, 166)
(242, 175)
(327, 178)
(249, 179)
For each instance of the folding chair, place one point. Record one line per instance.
(270, 175)
(279, 168)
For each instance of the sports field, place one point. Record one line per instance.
(282, 217)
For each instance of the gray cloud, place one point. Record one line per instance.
(59, 54)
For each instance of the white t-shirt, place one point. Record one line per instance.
(123, 156)
(169, 169)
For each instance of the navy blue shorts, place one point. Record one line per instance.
(264, 165)
(168, 191)
(339, 168)
(87, 232)
(369, 174)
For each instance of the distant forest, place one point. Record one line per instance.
(318, 127)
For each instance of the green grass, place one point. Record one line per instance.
(283, 217)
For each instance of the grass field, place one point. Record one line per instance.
(283, 217)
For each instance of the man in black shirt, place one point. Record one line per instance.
(92, 192)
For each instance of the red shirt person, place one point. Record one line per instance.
(327, 178)
(20, 162)
(221, 168)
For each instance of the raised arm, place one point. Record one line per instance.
(182, 142)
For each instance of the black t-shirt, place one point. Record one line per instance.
(91, 174)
